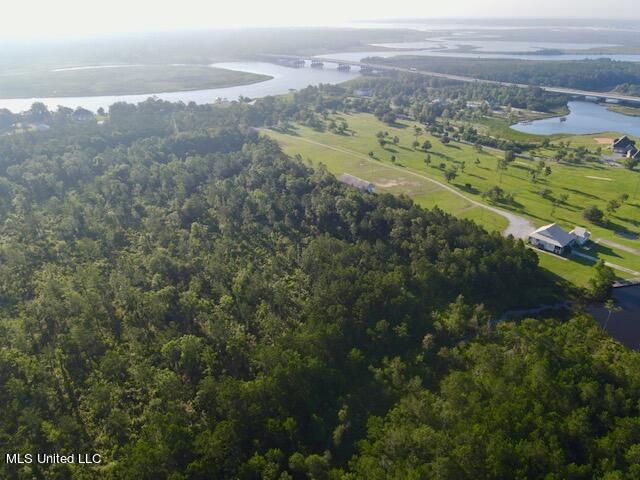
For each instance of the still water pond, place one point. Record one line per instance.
(585, 118)
(624, 325)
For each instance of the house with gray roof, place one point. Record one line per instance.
(552, 238)
(623, 145)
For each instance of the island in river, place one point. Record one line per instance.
(121, 80)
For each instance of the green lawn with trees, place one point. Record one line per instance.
(544, 191)
(387, 177)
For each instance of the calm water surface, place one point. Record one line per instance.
(624, 326)
(585, 118)
(284, 79)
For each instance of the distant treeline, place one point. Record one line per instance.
(598, 75)
(195, 47)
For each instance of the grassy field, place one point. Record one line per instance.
(389, 178)
(586, 184)
(125, 80)
(575, 271)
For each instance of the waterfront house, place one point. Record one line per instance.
(623, 145)
(552, 238)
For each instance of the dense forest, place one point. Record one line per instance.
(601, 75)
(179, 296)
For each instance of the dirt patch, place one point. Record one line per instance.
(599, 178)
(604, 141)
(386, 183)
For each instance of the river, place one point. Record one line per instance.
(585, 118)
(284, 80)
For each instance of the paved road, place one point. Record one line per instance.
(462, 78)
(518, 226)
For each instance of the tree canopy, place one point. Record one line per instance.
(182, 298)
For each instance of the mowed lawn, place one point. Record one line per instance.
(587, 184)
(576, 271)
(387, 177)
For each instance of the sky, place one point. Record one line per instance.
(62, 18)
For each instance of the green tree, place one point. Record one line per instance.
(611, 308)
(612, 206)
(601, 284)
(593, 214)
(450, 175)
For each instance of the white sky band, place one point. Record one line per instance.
(45, 18)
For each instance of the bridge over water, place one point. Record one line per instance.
(368, 66)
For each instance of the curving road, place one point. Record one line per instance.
(518, 226)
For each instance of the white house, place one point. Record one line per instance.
(581, 235)
(551, 238)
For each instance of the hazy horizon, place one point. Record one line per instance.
(73, 18)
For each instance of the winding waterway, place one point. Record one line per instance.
(284, 80)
